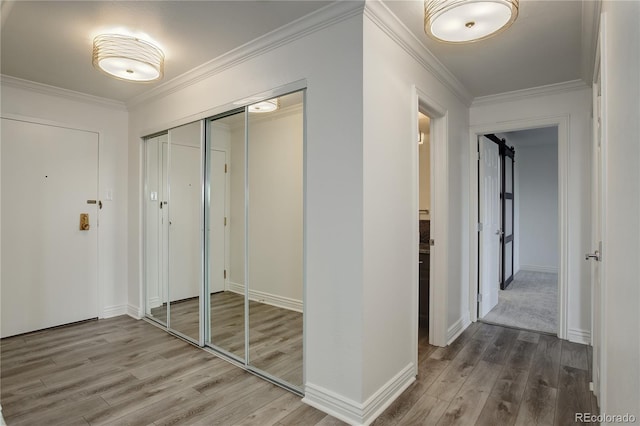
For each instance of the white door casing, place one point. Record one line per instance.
(489, 256)
(49, 265)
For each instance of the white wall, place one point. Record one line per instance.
(621, 245)
(391, 204)
(75, 110)
(334, 267)
(537, 194)
(576, 106)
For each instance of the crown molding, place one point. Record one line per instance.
(591, 11)
(322, 18)
(59, 92)
(555, 88)
(390, 24)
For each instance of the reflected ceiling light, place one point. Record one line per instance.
(128, 58)
(265, 106)
(464, 21)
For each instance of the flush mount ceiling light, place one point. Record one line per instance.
(464, 21)
(265, 106)
(128, 58)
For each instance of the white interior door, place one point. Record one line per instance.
(217, 210)
(184, 222)
(490, 219)
(596, 218)
(49, 265)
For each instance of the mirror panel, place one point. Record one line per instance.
(225, 183)
(275, 239)
(154, 232)
(185, 247)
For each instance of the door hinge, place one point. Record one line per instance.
(479, 297)
(225, 168)
(432, 242)
(225, 221)
(478, 155)
(225, 274)
(479, 226)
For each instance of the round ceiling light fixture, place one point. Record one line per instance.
(265, 106)
(465, 21)
(128, 58)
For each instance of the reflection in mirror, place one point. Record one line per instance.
(154, 236)
(225, 232)
(184, 229)
(275, 239)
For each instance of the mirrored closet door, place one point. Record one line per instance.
(223, 235)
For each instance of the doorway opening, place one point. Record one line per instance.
(518, 244)
(424, 202)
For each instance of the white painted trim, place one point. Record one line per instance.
(539, 268)
(391, 25)
(58, 92)
(439, 213)
(456, 329)
(516, 95)
(322, 18)
(579, 336)
(134, 311)
(114, 311)
(268, 298)
(562, 122)
(355, 413)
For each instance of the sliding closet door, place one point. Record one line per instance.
(275, 238)
(155, 231)
(225, 233)
(184, 230)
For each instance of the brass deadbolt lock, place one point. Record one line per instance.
(84, 222)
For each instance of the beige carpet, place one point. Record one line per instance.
(530, 302)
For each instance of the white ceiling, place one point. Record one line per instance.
(50, 41)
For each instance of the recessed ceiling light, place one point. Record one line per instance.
(128, 58)
(464, 21)
(265, 106)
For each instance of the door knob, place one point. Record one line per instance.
(595, 255)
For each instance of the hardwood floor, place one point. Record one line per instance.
(275, 334)
(122, 371)
(493, 375)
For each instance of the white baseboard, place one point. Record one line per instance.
(155, 302)
(538, 268)
(355, 413)
(456, 329)
(579, 336)
(114, 311)
(134, 312)
(269, 299)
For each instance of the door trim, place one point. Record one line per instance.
(562, 123)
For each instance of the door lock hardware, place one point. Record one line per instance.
(84, 222)
(99, 202)
(595, 255)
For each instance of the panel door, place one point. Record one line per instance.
(49, 265)
(490, 219)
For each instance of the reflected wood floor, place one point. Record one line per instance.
(275, 334)
(122, 371)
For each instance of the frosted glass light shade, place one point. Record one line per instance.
(128, 58)
(264, 106)
(464, 21)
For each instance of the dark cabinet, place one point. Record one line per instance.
(423, 298)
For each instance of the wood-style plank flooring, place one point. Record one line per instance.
(275, 334)
(493, 375)
(122, 371)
